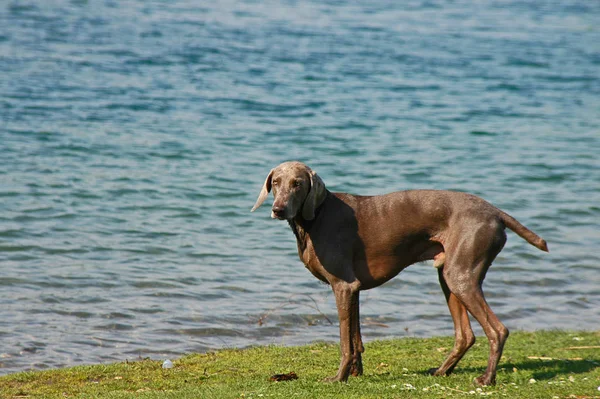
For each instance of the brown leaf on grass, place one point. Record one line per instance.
(284, 377)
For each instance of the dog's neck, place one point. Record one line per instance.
(301, 227)
(300, 233)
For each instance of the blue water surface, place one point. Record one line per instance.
(136, 135)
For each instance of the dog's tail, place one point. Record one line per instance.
(523, 231)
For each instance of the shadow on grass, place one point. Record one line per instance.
(541, 369)
(548, 369)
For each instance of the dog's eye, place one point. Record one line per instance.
(297, 183)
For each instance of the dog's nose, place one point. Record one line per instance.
(278, 211)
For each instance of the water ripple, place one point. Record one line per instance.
(137, 135)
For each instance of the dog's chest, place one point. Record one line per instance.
(311, 261)
(306, 252)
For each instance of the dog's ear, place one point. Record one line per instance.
(266, 189)
(315, 196)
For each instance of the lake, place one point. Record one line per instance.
(135, 137)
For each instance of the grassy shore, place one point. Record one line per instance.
(545, 364)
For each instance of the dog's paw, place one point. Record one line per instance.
(356, 369)
(485, 381)
(436, 372)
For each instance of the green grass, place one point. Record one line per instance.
(545, 364)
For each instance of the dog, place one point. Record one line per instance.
(356, 243)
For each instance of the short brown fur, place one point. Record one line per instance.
(355, 243)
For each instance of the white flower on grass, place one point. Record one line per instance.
(532, 381)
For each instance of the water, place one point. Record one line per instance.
(135, 137)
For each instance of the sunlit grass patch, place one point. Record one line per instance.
(544, 364)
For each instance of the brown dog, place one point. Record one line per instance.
(356, 243)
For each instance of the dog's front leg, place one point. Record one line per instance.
(345, 295)
(357, 346)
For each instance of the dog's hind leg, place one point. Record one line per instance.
(464, 273)
(495, 331)
(463, 333)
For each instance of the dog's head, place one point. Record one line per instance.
(297, 190)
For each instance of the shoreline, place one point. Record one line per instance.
(535, 364)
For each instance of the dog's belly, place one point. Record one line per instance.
(378, 268)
